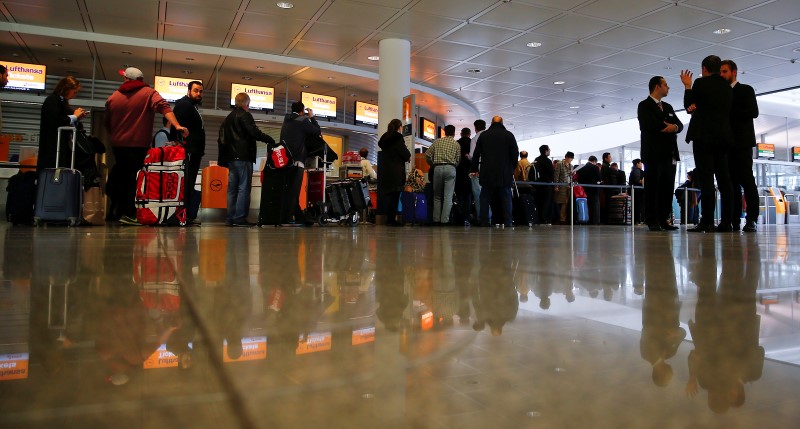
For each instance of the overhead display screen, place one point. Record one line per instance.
(172, 88)
(25, 77)
(366, 114)
(261, 97)
(427, 129)
(324, 106)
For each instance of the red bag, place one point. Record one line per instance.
(160, 187)
(167, 156)
(579, 192)
(279, 157)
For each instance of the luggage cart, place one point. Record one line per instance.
(327, 202)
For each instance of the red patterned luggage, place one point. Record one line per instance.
(160, 187)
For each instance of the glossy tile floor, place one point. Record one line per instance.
(375, 327)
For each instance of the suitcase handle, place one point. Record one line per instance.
(58, 145)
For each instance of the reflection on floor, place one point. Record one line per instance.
(604, 327)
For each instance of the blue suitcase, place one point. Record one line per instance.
(415, 207)
(59, 191)
(581, 211)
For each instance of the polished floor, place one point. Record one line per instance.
(376, 327)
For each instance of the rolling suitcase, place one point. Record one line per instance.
(338, 199)
(273, 187)
(619, 210)
(21, 198)
(59, 193)
(415, 207)
(359, 195)
(581, 211)
(160, 185)
(523, 206)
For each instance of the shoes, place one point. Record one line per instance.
(655, 227)
(668, 227)
(749, 226)
(243, 224)
(127, 220)
(702, 227)
(723, 227)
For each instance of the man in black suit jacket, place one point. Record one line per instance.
(744, 109)
(709, 103)
(496, 153)
(187, 113)
(659, 126)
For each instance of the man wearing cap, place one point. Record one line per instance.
(130, 113)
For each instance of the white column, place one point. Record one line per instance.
(394, 80)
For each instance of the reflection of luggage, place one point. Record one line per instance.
(619, 210)
(21, 198)
(415, 207)
(581, 211)
(524, 206)
(160, 187)
(273, 187)
(59, 193)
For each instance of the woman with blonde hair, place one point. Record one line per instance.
(56, 112)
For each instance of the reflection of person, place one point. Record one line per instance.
(56, 112)
(726, 326)
(661, 331)
(392, 165)
(709, 103)
(659, 126)
(240, 134)
(744, 109)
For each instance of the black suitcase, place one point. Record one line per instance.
(524, 206)
(21, 198)
(273, 189)
(619, 210)
(358, 192)
(59, 193)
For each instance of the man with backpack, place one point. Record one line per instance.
(296, 126)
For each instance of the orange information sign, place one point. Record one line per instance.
(161, 358)
(314, 342)
(364, 335)
(253, 348)
(13, 366)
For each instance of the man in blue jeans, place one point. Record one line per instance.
(444, 154)
(493, 163)
(238, 135)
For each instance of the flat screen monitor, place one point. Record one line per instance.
(261, 97)
(796, 154)
(25, 77)
(427, 129)
(766, 151)
(366, 114)
(324, 106)
(172, 88)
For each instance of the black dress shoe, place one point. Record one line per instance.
(702, 227)
(723, 227)
(655, 227)
(668, 227)
(750, 226)
(736, 227)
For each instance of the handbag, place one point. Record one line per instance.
(279, 156)
(579, 192)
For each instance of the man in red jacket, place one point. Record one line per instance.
(130, 112)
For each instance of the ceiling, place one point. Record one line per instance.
(604, 51)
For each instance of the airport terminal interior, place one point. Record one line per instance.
(371, 326)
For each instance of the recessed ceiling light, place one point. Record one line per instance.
(186, 71)
(284, 5)
(796, 50)
(331, 78)
(559, 82)
(189, 59)
(474, 70)
(305, 86)
(722, 31)
(373, 58)
(354, 95)
(126, 53)
(64, 60)
(247, 78)
(259, 67)
(574, 107)
(57, 45)
(533, 44)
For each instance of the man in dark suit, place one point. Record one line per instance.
(744, 108)
(590, 174)
(187, 113)
(709, 103)
(659, 126)
(496, 154)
